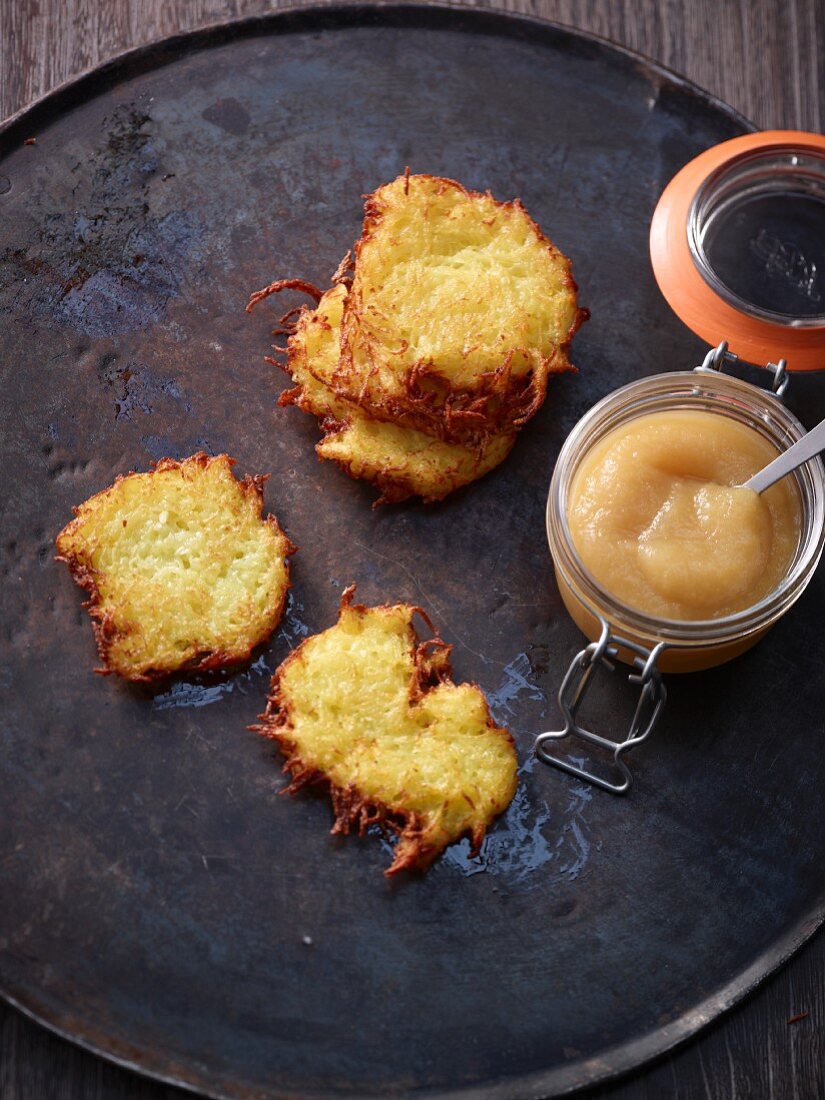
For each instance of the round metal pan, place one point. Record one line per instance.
(159, 903)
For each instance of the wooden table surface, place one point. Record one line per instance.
(764, 57)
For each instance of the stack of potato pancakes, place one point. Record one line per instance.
(434, 344)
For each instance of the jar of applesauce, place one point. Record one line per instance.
(662, 559)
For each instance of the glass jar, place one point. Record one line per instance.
(686, 646)
(756, 233)
(737, 247)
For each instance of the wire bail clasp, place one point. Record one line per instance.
(717, 357)
(652, 698)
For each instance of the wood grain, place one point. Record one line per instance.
(764, 57)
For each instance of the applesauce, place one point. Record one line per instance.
(695, 546)
(657, 514)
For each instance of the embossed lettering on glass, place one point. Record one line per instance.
(756, 231)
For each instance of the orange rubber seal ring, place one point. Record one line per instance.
(692, 299)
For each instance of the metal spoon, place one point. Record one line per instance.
(802, 451)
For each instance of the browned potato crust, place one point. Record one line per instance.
(400, 462)
(370, 712)
(182, 570)
(460, 308)
(434, 345)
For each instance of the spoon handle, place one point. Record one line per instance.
(804, 449)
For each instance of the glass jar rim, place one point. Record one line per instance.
(690, 296)
(657, 393)
(717, 188)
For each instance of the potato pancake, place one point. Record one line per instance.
(435, 344)
(369, 711)
(400, 462)
(182, 570)
(459, 310)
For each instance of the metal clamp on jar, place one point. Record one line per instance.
(738, 248)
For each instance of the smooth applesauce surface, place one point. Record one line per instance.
(657, 515)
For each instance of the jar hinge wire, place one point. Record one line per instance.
(717, 357)
(574, 687)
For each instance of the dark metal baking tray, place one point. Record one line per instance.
(159, 903)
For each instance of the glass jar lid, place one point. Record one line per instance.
(737, 244)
